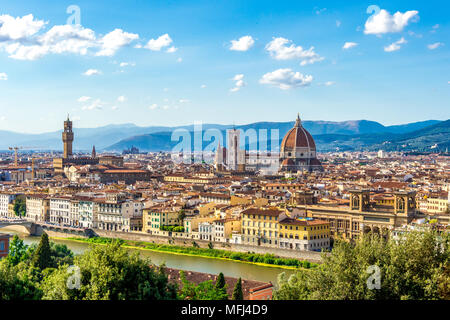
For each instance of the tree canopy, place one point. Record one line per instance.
(415, 266)
(109, 273)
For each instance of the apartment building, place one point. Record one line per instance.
(304, 234)
(60, 211)
(260, 226)
(38, 207)
(5, 200)
(157, 216)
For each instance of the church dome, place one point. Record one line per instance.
(297, 137)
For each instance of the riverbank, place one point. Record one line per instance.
(266, 260)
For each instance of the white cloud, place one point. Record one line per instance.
(395, 46)
(19, 37)
(158, 44)
(349, 45)
(166, 107)
(384, 22)
(435, 45)
(319, 11)
(243, 44)
(184, 101)
(2, 118)
(3, 76)
(203, 86)
(19, 28)
(171, 50)
(75, 118)
(286, 79)
(92, 72)
(84, 99)
(114, 107)
(279, 49)
(338, 23)
(127, 64)
(179, 60)
(122, 99)
(153, 106)
(329, 83)
(436, 26)
(94, 105)
(115, 40)
(239, 82)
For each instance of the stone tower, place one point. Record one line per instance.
(235, 156)
(67, 137)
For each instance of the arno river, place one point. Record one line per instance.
(199, 264)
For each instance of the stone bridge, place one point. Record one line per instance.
(36, 229)
(21, 226)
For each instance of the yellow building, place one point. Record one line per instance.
(235, 200)
(437, 205)
(260, 226)
(155, 217)
(304, 234)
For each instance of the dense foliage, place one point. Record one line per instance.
(109, 273)
(206, 290)
(172, 228)
(195, 250)
(416, 266)
(20, 207)
(45, 271)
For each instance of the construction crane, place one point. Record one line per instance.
(20, 148)
(15, 154)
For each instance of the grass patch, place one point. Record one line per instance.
(267, 259)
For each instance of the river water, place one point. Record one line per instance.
(191, 263)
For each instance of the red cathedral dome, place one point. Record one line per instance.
(297, 137)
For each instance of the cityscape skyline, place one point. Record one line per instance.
(222, 64)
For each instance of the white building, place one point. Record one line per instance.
(37, 208)
(60, 211)
(5, 200)
(206, 231)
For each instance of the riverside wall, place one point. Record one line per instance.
(285, 253)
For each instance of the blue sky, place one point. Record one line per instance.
(394, 68)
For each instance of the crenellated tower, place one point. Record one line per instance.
(67, 137)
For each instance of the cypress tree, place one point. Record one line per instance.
(221, 287)
(237, 292)
(42, 255)
(220, 282)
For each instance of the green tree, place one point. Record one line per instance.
(110, 272)
(20, 207)
(220, 281)
(18, 251)
(412, 267)
(15, 284)
(205, 290)
(181, 215)
(42, 257)
(237, 292)
(221, 286)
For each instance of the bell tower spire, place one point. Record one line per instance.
(298, 122)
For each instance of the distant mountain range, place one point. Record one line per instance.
(346, 135)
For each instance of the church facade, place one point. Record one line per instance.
(297, 153)
(298, 150)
